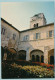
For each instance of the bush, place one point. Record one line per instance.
(18, 71)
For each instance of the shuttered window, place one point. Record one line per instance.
(49, 33)
(37, 35)
(26, 38)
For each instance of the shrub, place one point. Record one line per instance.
(18, 71)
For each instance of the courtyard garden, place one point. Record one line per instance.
(18, 69)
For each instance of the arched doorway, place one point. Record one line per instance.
(51, 56)
(37, 53)
(42, 58)
(33, 58)
(22, 55)
(37, 58)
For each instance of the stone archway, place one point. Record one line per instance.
(22, 55)
(51, 56)
(37, 53)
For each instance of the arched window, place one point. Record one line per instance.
(35, 25)
(37, 58)
(33, 58)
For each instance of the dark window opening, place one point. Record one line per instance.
(42, 59)
(37, 58)
(33, 58)
(36, 25)
(51, 59)
(22, 57)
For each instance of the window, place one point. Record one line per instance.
(3, 31)
(50, 33)
(33, 58)
(14, 36)
(36, 25)
(26, 38)
(37, 35)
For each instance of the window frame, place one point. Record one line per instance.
(37, 36)
(14, 36)
(50, 33)
(26, 38)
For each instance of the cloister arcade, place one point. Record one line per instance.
(36, 55)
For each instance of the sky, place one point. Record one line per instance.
(19, 13)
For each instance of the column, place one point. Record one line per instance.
(46, 54)
(46, 57)
(27, 54)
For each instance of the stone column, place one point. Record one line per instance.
(46, 48)
(27, 54)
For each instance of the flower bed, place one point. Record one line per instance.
(24, 62)
(18, 71)
(35, 71)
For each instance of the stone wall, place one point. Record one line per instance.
(40, 44)
(44, 43)
(7, 38)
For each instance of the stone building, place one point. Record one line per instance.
(35, 44)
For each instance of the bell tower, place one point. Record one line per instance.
(37, 20)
